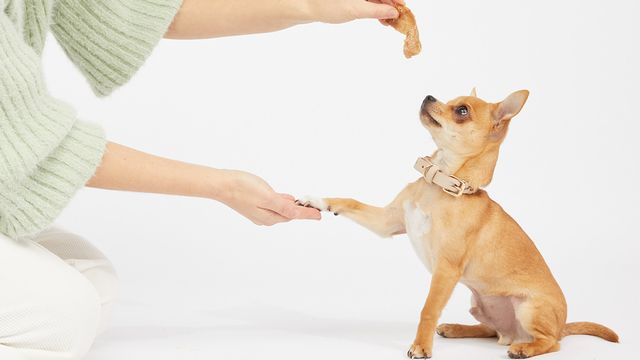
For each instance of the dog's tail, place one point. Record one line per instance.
(589, 328)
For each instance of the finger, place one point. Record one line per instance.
(368, 10)
(284, 207)
(308, 213)
(267, 217)
(290, 210)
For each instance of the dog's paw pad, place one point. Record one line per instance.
(313, 202)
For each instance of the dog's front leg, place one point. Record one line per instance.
(445, 277)
(384, 221)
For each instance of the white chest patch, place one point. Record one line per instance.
(418, 226)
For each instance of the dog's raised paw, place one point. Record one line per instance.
(313, 202)
(418, 352)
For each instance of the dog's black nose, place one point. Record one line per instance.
(430, 98)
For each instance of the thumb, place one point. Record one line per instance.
(369, 10)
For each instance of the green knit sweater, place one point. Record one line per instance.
(46, 153)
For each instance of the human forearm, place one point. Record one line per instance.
(126, 169)
(198, 19)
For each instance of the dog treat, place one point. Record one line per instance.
(406, 24)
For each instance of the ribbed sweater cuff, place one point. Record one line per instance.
(39, 199)
(109, 40)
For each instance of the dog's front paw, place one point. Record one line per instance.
(418, 351)
(313, 202)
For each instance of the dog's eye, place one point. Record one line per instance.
(462, 110)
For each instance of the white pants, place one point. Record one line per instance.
(55, 292)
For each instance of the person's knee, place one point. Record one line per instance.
(85, 258)
(62, 323)
(105, 281)
(48, 309)
(101, 275)
(75, 316)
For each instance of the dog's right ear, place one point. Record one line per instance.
(509, 107)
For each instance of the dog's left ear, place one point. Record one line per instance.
(474, 93)
(509, 107)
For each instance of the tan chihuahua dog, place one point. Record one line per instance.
(461, 235)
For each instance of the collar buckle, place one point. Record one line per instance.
(457, 190)
(450, 184)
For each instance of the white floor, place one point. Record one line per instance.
(139, 332)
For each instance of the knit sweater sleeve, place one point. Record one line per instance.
(109, 40)
(46, 153)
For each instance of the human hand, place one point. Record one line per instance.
(254, 199)
(341, 11)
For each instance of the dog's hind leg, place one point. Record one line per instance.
(465, 331)
(539, 346)
(543, 323)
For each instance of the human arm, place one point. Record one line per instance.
(123, 168)
(109, 40)
(199, 19)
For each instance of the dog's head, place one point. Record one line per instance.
(467, 125)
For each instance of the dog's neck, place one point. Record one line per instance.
(477, 170)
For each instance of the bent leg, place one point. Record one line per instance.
(539, 346)
(540, 322)
(48, 310)
(88, 260)
(465, 331)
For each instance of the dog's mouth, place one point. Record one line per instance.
(430, 119)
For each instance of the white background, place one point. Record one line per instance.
(332, 111)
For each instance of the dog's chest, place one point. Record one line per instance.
(418, 227)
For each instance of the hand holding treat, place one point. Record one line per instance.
(406, 24)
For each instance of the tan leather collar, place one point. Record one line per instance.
(449, 183)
